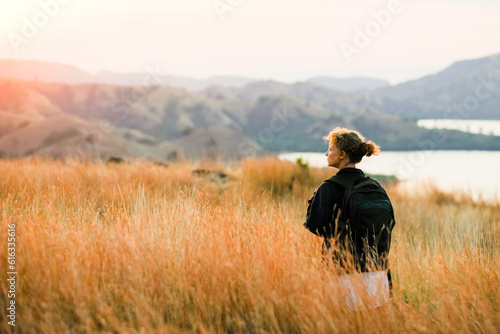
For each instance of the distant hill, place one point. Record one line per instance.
(163, 112)
(472, 86)
(64, 135)
(190, 84)
(104, 120)
(48, 72)
(331, 101)
(20, 106)
(216, 141)
(62, 73)
(350, 84)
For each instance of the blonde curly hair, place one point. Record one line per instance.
(352, 143)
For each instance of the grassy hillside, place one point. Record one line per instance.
(144, 248)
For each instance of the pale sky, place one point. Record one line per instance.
(285, 40)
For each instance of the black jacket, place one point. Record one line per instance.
(325, 203)
(325, 220)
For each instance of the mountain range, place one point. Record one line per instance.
(62, 73)
(59, 110)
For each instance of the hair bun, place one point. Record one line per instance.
(369, 148)
(363, 149)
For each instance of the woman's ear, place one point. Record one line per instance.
(342, 155)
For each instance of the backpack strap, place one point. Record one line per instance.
(370, 182)
(366, 182)
(340, 181)
(345, 183)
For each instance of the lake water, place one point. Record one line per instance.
(477, 172)
(466, 125)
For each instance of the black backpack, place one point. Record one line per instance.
(369, 216)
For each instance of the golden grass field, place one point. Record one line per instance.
(152, 249)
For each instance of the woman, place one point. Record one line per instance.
(355, 244)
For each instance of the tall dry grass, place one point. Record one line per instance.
(144, 248)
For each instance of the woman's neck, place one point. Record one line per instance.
(347, 165)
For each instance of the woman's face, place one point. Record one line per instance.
(333, 156)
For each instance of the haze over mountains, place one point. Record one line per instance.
(59, 110)
(57, 72)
